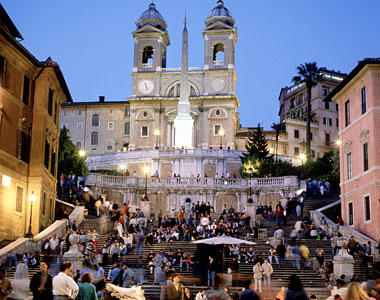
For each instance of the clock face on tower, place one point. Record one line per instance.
(146, 86)
(218, 84)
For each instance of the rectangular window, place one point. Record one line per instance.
(55, 112)
(111, 111)
(94, 138)
(80, 112)
(350, 213)
(313, 153)
(327, 121)
(50, 102)
(325, 91)
(23, 146)
(144, 131)
(44, 204)
(336, 107)
(109, 148)
(79, 126)
(328, 142)
(292, 103)
(127, 128)
(284, 149)
(349, 165)
(127, 111)
(79, 145)
(19, 196)
(296, 151)
(337, 122)
(52, 212)
(347, 112)
(365, 157)
(364, 101)
(367, 208)
(110, 125)
(3, 70)
(296, 134)
(52, 165)
(25, 92)
(47, 155)
(327, 104)
(217, 129)
(64, 113)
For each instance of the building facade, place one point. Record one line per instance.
(324, 125)
(146, 120)
(358, 98)
(31, 93)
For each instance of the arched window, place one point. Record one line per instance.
(192, 91)
(218, 54)
(171, 92)
(95, 120)
(127, 111)
(147, 59)
(94, 138)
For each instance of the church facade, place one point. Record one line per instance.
(146, 120)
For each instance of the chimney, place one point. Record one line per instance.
(101, 99)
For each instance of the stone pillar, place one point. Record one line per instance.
(74, 255)
(145, 207)
(250, 209)
(343, 262)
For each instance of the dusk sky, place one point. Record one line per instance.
(92, 42)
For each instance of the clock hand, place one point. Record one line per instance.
(146, 86)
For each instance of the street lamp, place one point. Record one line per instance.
(303, 157)
(146, 171)
(338, 142)
(250, 171)
(122, 167)
(156, 133)
(221, 134)
(32, 197)
(82, 153)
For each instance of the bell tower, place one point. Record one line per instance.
(220, 37)
(151, 40)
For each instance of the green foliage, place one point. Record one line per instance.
(69, 161)
(257, 147)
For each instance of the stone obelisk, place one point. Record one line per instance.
(183, 122)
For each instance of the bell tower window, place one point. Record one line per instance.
(218, 54)
(147, 58)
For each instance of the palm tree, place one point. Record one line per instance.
(309, 74)
(278, 127)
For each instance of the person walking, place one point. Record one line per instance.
(211, 269)
(267, 272)
(295, 289)
(87, 290)
(175, 289)
(128, 276)
(249, 293)
(64, 286)
(304, 254)
(258, 275)
(161, 277)
(41, 283)
(296, 256)
(5, 285)
(139, 242)
(281, 250)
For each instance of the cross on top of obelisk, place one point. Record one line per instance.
(185, 22)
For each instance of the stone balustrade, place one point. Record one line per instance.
(94, 179)
(346, 231)
(22, 245)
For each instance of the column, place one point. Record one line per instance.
(205, 129)
(133, 130)
(230, 128)
(168, 135)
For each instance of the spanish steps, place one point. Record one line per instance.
(313, 282)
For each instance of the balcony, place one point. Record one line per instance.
(123, 182)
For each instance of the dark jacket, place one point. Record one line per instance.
(47, 293)
(296, 295)
(248, 294)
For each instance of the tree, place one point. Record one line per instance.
(257, 145)
(309, 74)
(69, 161)
(277, 127)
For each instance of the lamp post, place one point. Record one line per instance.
(32, 197)
(156, 133)
(221, 134)
(338, 143)
(303, 157)
(122, 167)
(82, 153)
(146, 171)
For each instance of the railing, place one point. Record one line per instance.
(191, 182)
(346, 231)
(22, 245)
(194, 69)
(147, 66)
(218, 63)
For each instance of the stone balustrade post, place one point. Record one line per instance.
(343, 262)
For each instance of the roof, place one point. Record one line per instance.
(220, 11)
(8, 25)
(151, 13)
(350, 76)
(93, 103)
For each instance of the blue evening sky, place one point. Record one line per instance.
(92, 42)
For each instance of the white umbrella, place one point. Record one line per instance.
(223, 240)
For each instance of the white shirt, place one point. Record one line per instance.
(64, 285)
(53, 243)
